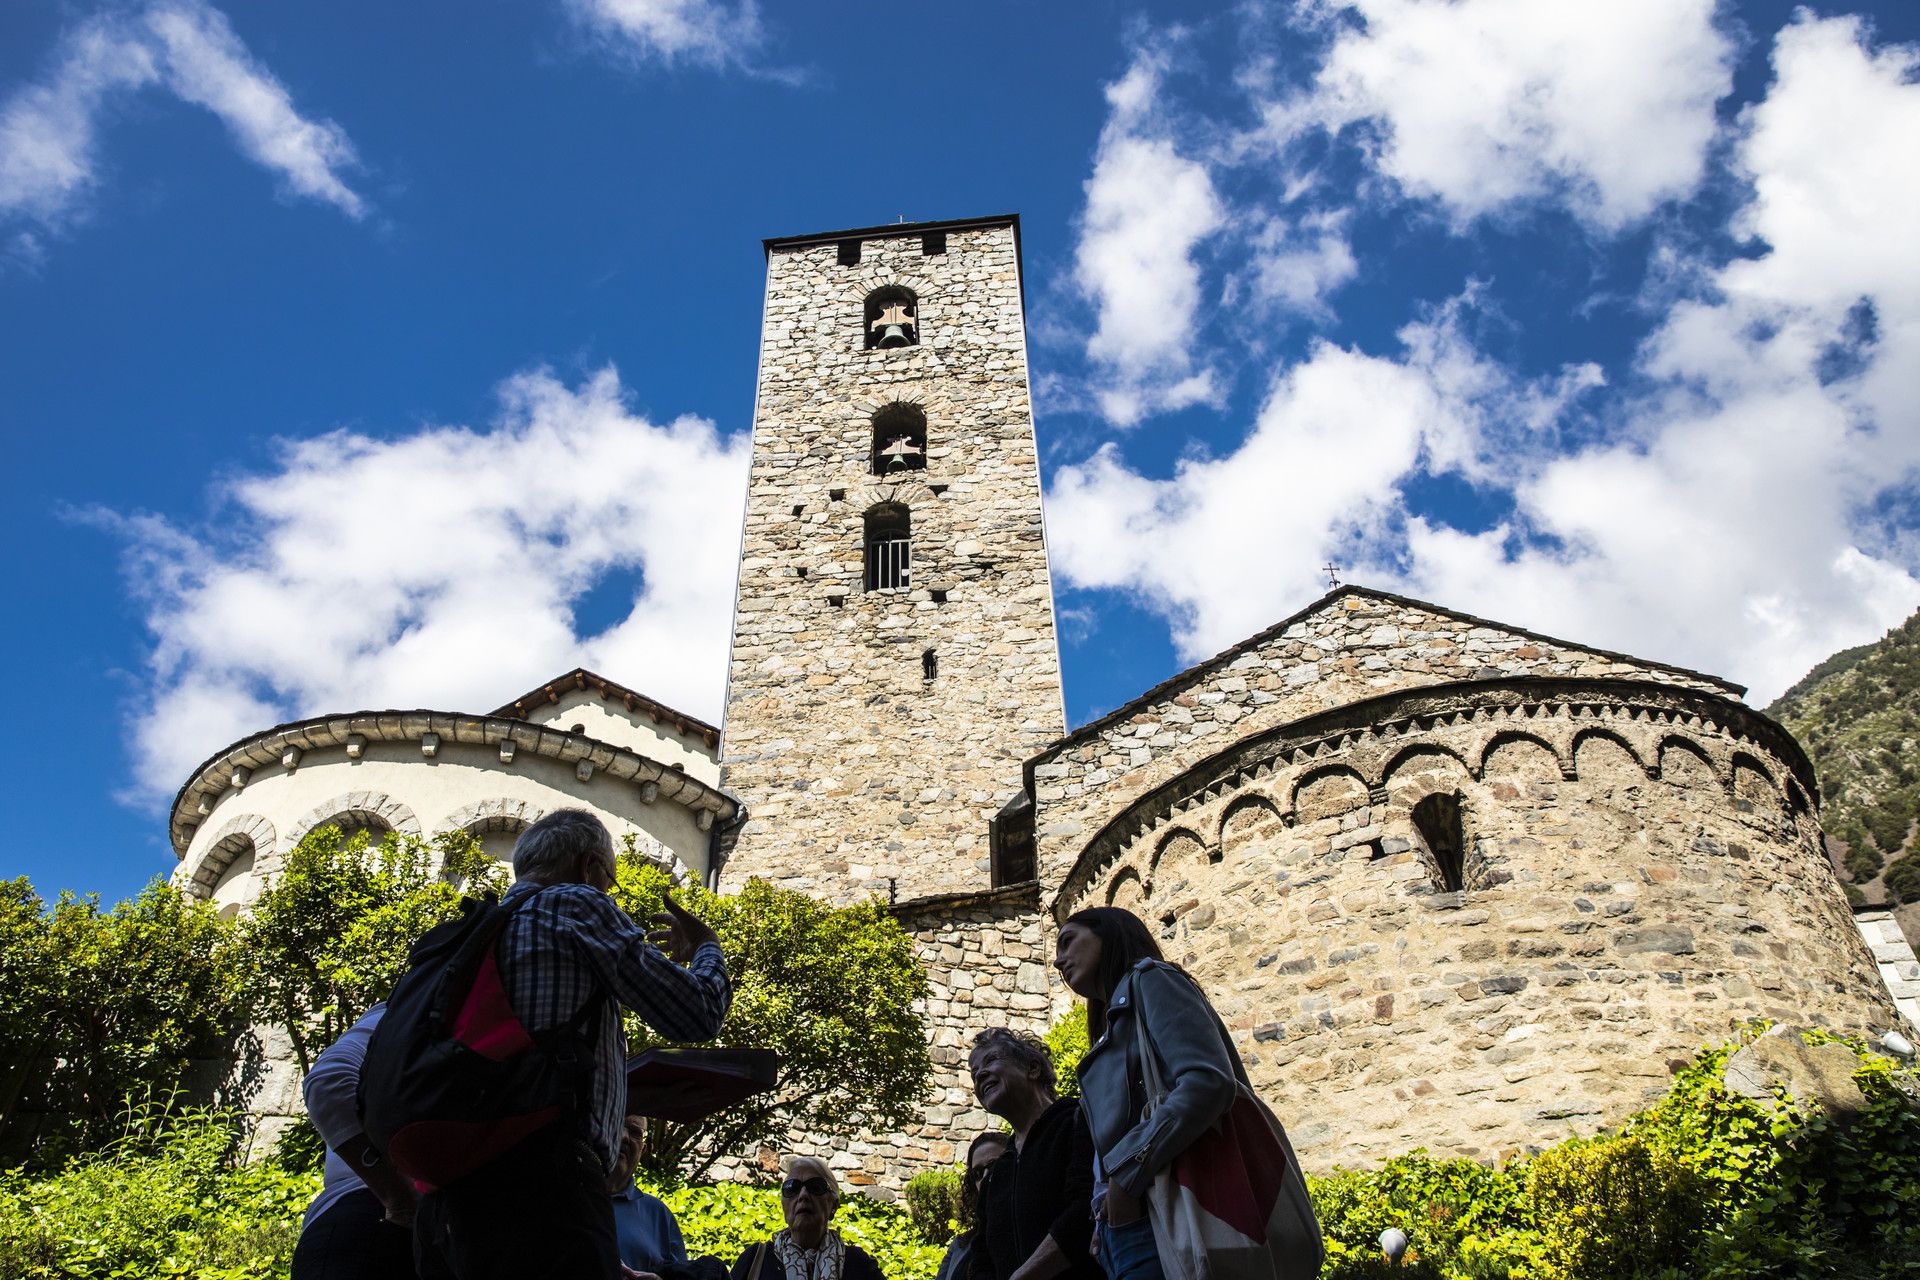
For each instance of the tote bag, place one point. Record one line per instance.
(1233, 1206)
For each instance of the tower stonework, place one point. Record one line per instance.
(894, 659)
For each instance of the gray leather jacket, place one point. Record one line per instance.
(1197, 1062)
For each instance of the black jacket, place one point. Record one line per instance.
(1044, 1190)
(859, 1265)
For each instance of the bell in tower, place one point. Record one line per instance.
(890, 319)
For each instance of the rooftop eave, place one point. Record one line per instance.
(232, 769)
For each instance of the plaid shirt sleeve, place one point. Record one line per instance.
(682, 1004)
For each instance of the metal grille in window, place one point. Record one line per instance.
(887, 564)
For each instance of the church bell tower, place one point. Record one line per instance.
(894, 659)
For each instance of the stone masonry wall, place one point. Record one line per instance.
(1638, 883)
(1353, 644)
(862, 776)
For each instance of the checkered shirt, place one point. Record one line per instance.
(573, 944)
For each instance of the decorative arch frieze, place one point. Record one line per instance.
(1369, 741)
(1403, 757)
(1243, 813)
(498, 814)
(1507, 738)
(363, 808)
(244, 832)
(1592, 733)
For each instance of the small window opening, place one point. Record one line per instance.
(798, 510)
(939, 597)
(899, 440)
(838, 602)
(891, 318)
(929, 665)
(849, 253)
(936, 489)
(801, 570)
(836, 494)
(1437, 819)
(889, 547)
(933, 244)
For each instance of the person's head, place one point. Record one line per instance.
(1096, 948)
(1012, 1072)
(568, 846)
(633, 1141)
(809, 1196)
(981, 1153)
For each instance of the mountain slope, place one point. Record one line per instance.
(1858, 716)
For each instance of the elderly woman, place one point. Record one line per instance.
(809, 1248)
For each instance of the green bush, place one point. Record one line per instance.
(726, 1219)
(1903, 879)
(934, 1204)
(167, 1198)
(1612, 1208)
(1067, 1041)
(1706, 1184)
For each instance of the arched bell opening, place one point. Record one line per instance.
(891, 318)
(899, 440)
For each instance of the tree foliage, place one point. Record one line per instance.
(1067, 1041)
(99, 1005)
(1707, 1184)
(329, 937)
(832, 989)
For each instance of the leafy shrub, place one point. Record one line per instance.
(1706, 1184)
(1068, 1043)
(726, 1219)
(1903, 879)
(1612, 1208)
(934, 1204)
(167, 1198)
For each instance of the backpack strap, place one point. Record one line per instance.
(759, 1261)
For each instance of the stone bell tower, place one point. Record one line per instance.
(894, 659)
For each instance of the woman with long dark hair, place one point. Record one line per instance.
(1139, 1005)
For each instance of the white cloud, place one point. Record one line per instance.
(1148, 210)
(701, 32)
(441, 569)
(49, 160)
(1481, 104)
(1226, 544)
(206, 64)
(1732, 513)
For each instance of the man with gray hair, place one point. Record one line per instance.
(569, 959)
(1035, 1205)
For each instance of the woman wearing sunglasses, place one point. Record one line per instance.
(809, 1248)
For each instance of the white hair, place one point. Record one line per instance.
(814, 1165)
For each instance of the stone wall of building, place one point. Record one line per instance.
(1639, 879)
(1348, 647)
(873, 734)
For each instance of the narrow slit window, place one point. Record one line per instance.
(899, 439)
(889, 539)
(1437, 819)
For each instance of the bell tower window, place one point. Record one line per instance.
(891, 318)
(899, 440)
(889, 544)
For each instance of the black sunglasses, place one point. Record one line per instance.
(812, 1186)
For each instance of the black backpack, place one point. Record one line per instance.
(452, 1079)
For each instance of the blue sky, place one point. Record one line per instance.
(394, 355)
